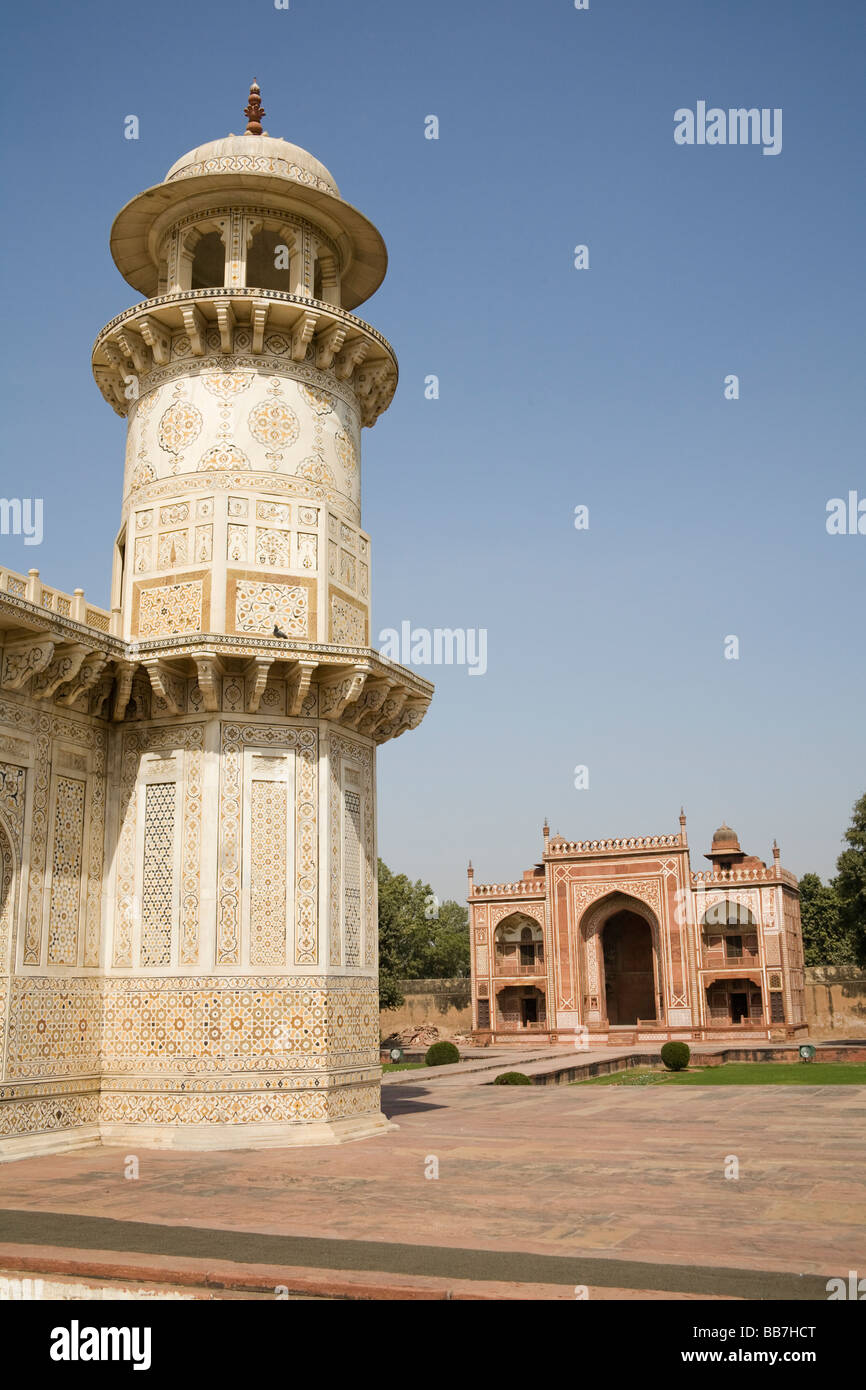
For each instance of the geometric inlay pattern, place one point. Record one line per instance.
(38, 842)
(158, 874)
(208, 1028)
(338, 749)
(170, 609)
(348, 622)
(268, 829)
(259, 607)
(352, 876)
(54, 1026)
(304, 741)
(93, 880)
(188, 737)
(65, 898)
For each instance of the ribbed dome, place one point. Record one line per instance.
(254, 154)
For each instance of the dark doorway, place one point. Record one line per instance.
(529, 1008)
(628, 969)
(739, 1007)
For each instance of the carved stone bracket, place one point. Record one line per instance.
(158, 339)
(375, 385)
(390, 709)
(194, 322)
(110, 384)
(64, 665)
(256, 679)
(336, 695)
(226, 323)
(111, 350)
(299, 685)
(133, 347)
(86, 676)
(302, 331)
(413, 712)
(366, 709)
(101, 695)
(258, 319)
(123, 690)
(208, 672)
(24, 659)
(352, 356)
(162, 684)
(328, 344)
(145, 340)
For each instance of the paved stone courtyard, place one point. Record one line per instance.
(538, 1190)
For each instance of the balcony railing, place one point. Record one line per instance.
(510, 969)
(534, 887)
(728, 960)
(753, 1021)
(31, 588)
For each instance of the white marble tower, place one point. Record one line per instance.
(228, 978)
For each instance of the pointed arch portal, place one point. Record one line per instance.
(629, 977)
(620, 961)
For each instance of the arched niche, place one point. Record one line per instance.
(518, 945)
(620, 968)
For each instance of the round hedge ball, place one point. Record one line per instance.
(441, 1054)
(512, 1078)
(675, 1055)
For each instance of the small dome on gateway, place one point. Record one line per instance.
(726, 839)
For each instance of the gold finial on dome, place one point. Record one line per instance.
(254, 111)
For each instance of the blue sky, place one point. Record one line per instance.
(558, 387)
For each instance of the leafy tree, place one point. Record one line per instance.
(419, 938)
(851, 881)
(825, 940)
(834, 913)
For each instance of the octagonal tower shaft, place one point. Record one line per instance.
(246, 719)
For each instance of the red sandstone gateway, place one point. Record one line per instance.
(609, 941)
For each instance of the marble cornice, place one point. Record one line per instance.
(46, 656)
(39, 621)
(140, 339)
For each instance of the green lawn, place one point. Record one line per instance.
(402, 1066)
(741, 1074)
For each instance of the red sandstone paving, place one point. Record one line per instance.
(558, 1170)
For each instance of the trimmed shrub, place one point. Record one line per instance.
(675, 1055)
(441, 1054)
(512, 1078)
